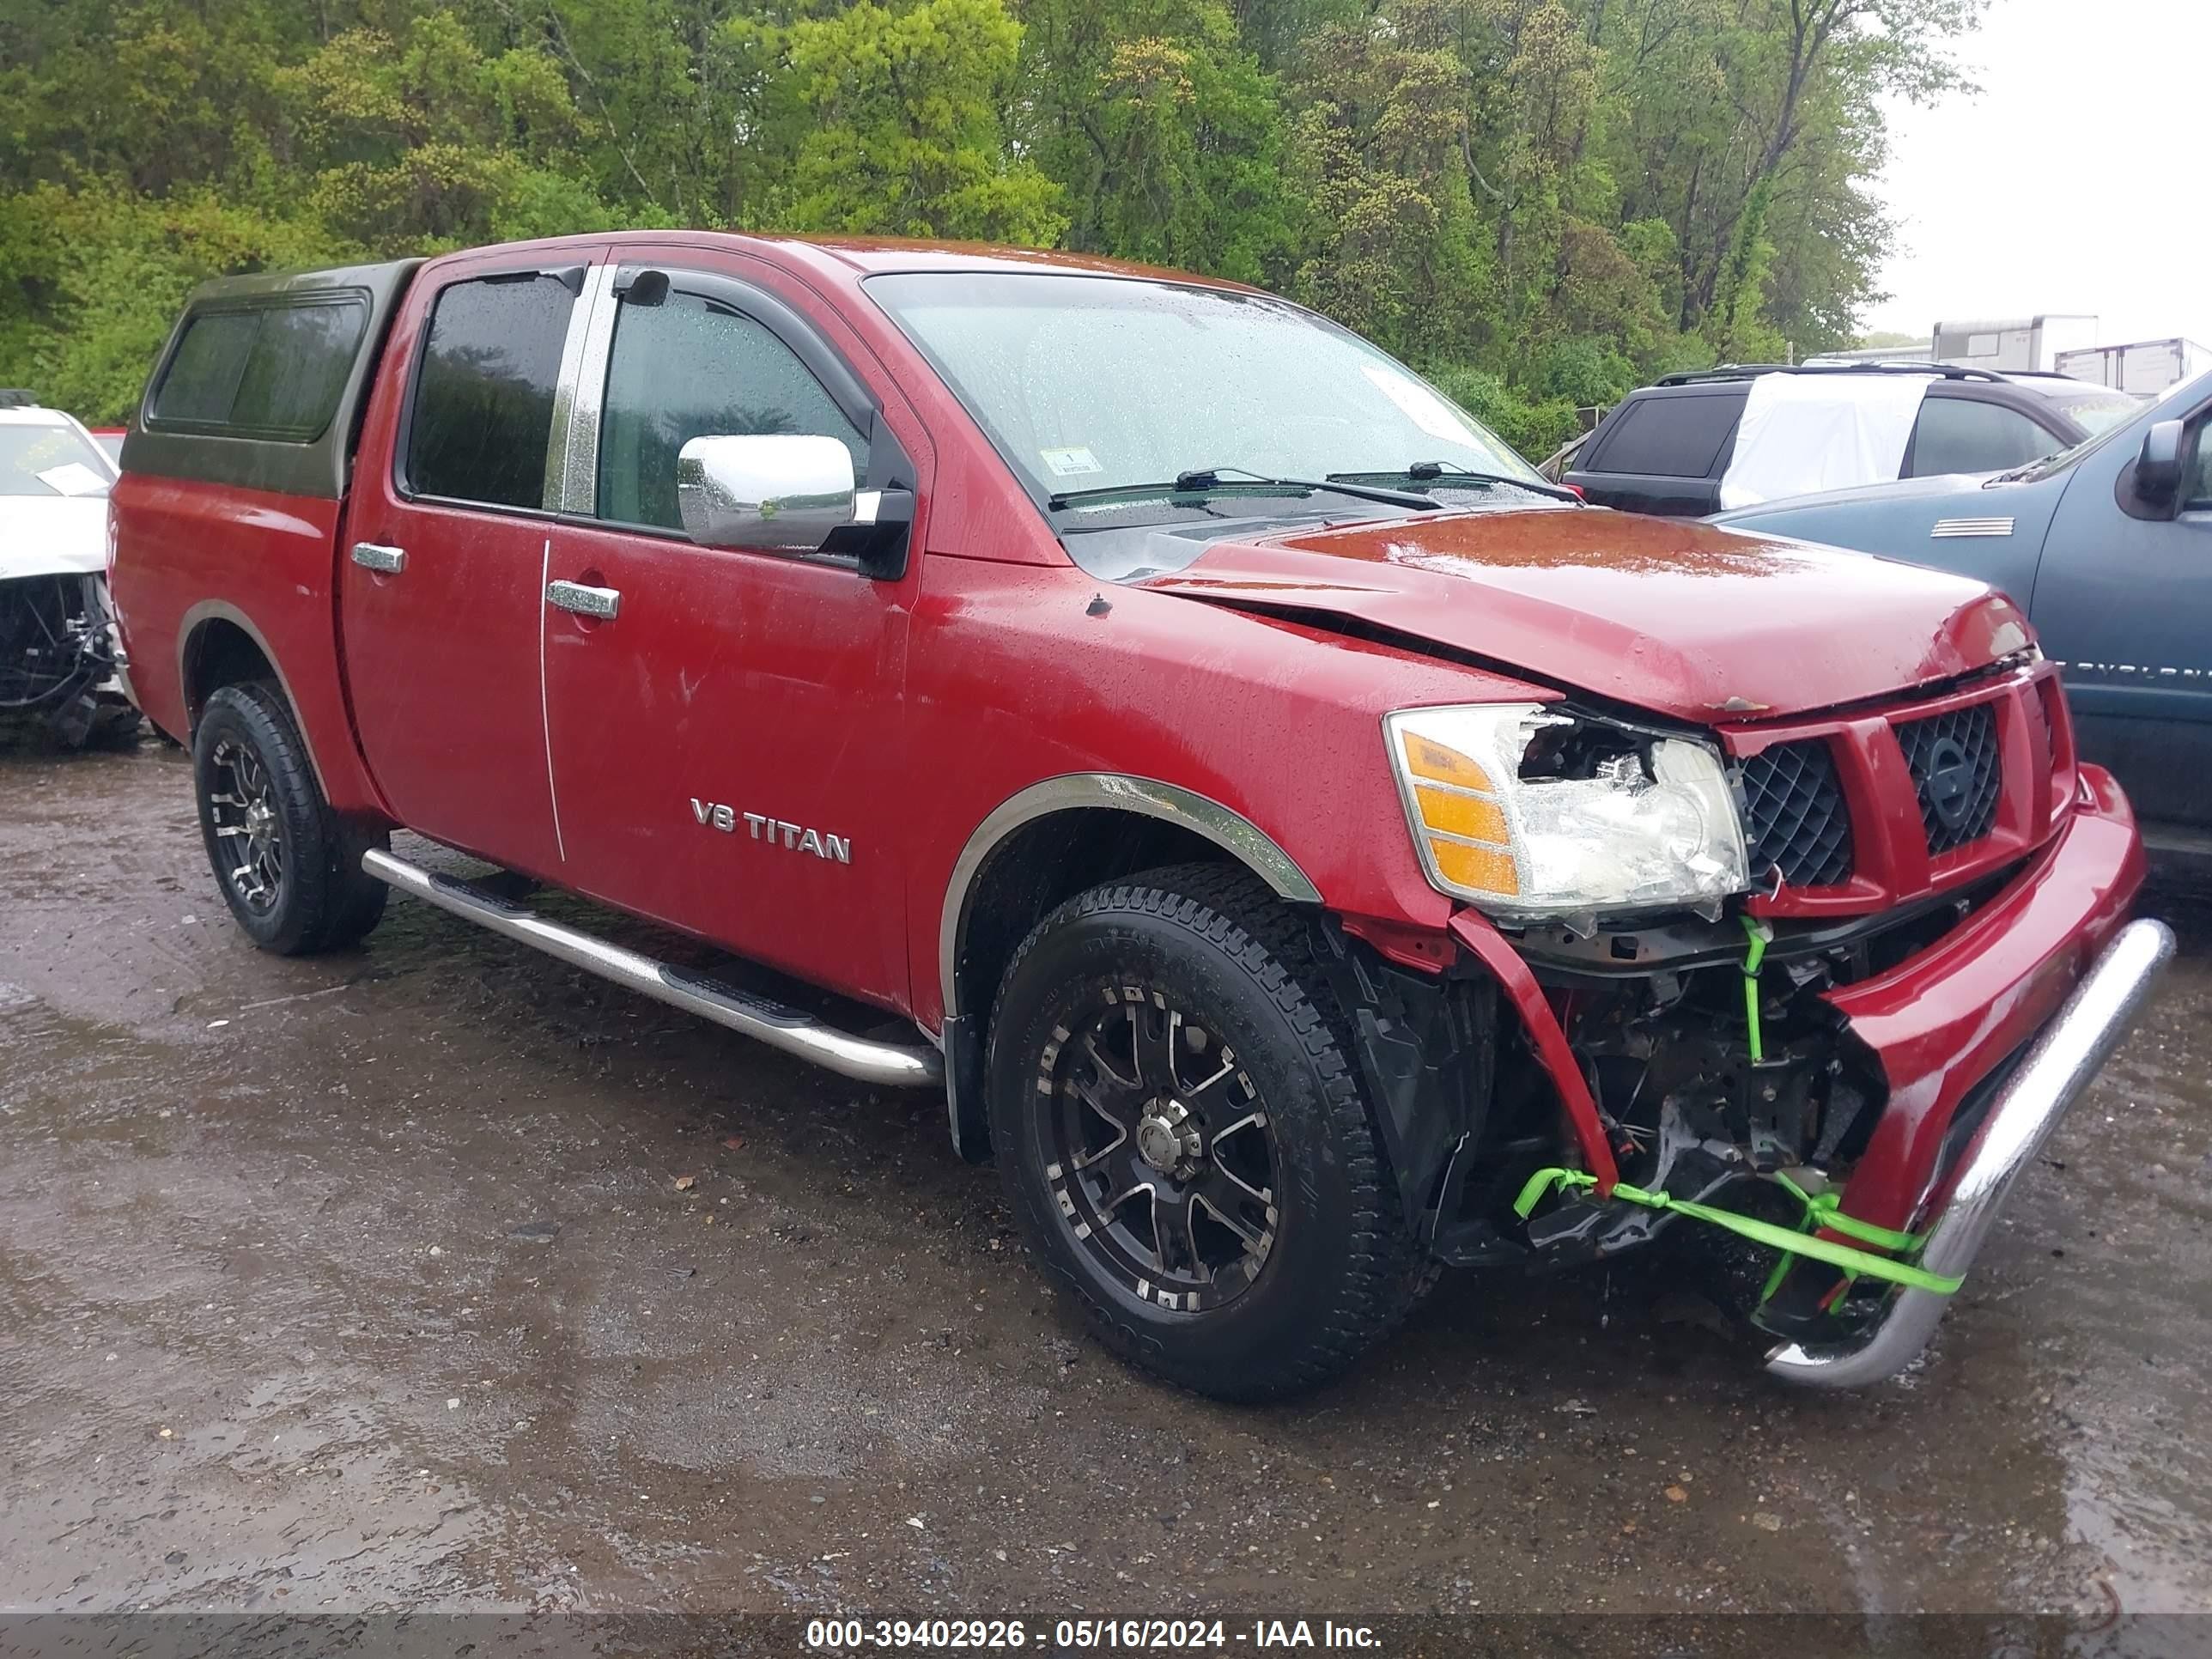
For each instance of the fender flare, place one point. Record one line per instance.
(1230, 830)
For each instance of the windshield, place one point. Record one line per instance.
(2093, 408)
(49, 458)
(2177, 396)
(1097, 383)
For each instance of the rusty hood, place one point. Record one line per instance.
(1669, 615)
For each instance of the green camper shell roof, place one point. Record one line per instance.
(199, 437)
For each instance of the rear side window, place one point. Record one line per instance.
(203, 375)
(274, 371)
(1669, 437)
(298, 367)
(1955, 434)
(694, 367)
(483, 397)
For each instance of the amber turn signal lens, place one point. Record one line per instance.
(1427, 758)
(1462, 815)
(1479, 869)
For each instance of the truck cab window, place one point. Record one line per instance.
(484, 400)
(693, 367)
(1954, 435)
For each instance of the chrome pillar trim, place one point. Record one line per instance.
(888, 1064)
(2064, 1058)
(572, 447)
(1146, 797)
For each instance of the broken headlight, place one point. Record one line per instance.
(1532, 814)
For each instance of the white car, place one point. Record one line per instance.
(57, 646)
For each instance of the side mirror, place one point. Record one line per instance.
(773, 491)
(2158, 466)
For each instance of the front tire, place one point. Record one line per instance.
(290, 871)
(1186, 1140)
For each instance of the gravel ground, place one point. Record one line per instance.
(435, 1274)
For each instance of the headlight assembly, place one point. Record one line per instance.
(1532, 814)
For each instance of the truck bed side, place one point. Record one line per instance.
(224, 532)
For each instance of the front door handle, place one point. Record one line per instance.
(600, 602)
(372, 555)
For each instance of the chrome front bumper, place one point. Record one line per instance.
(2064, 1056)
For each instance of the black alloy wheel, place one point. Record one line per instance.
(289, 869)
(1161, 1150)
(247, 828)
(1185, 1141)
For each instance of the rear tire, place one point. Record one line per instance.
(1140, 1030)
(290, 871)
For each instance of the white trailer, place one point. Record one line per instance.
(2146, 368)
(2015, 345)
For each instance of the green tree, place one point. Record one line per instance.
(1378, 161)
(908, 136)
(1162, 129)
(1543, 201)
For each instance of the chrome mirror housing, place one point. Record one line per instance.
(775, 492)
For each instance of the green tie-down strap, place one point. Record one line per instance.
(1821, 1211)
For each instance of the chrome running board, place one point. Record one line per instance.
(2065, 1058)
(890, 1065)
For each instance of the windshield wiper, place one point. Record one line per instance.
(1453, 473)
(1208, 480)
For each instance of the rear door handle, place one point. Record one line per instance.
(373, 555)
(600, 602)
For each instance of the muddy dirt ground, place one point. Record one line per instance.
(435, 1273)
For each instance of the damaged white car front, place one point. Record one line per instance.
(57, 651)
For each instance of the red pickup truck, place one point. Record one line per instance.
(1304, 846)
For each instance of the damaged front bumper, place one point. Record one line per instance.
(1961, 1055)
(2059, 1064)
(58, 657)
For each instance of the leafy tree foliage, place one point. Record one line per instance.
(1540, 202)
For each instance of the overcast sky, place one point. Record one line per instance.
(2075, 182)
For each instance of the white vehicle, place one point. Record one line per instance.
(56, 644)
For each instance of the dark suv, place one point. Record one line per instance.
(1666, 448)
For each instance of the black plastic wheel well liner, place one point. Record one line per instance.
(219, 652)
(1047, 861)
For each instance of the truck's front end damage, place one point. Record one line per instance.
(1849, 1066)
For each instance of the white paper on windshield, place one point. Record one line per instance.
(1420, 405)
(1802, 433)
(74, 478)
(1071, 463)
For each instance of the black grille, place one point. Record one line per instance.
(1953, 761)
(1797, 816)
